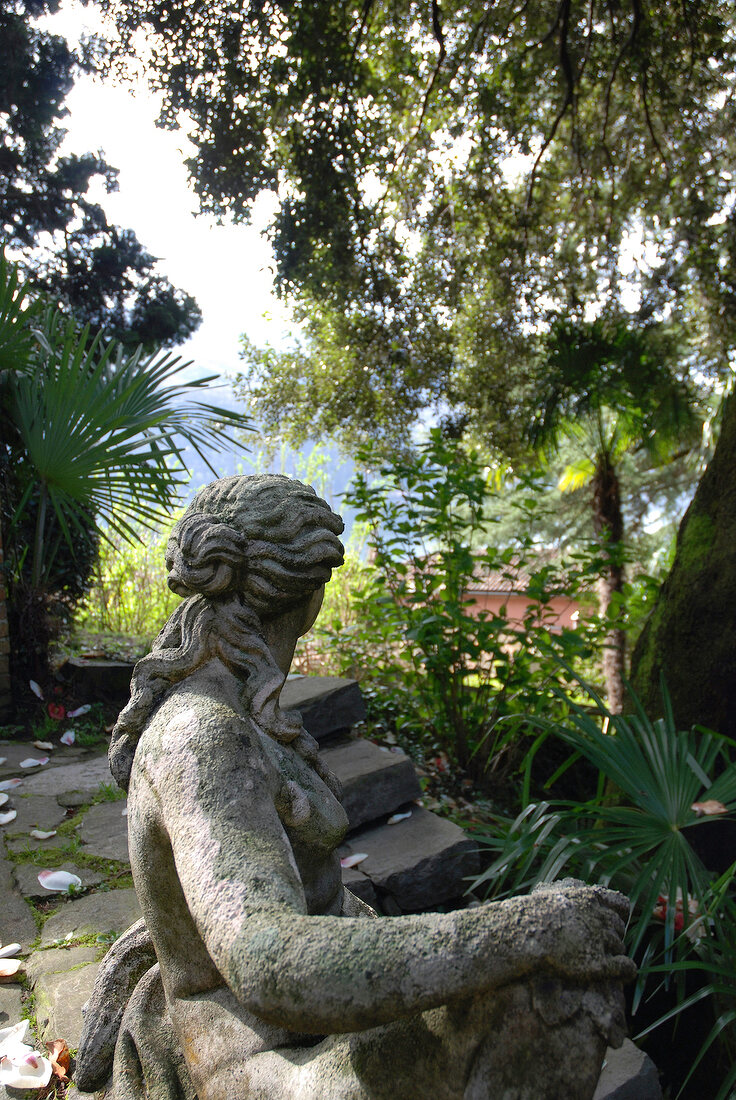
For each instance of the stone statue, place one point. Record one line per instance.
(255, 975)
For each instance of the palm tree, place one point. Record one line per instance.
(91, 438)
(613, 388)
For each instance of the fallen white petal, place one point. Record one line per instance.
(3, 759)
(9, 968)
(39, 834)
(45, 745)
(9, 784)
(34, 762)
(30, 1072)
(80, 710)
(61, 881)
(125, 812)
(12, 1037)
(68, 737)
(354, 860)
(3, 799)
(9, 950)
(396, 818)
(35, 689)
(8, 816)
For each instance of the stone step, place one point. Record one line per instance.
(419, 863)
(328, 704)
(374, 782)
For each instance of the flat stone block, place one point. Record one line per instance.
(104, 831)
(328, 704)
(59, 1001)
(107, 911)
(16, 923)
(11, 1005)
(34, 811)
(57, 960)
(26, 877)
(374, 783)
(628, 1074)
(86, 776)
(420, 862)
(98, 678)
(361, 886)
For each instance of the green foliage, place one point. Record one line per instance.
(449, 672)
(91, 438)
(128, 592)
(646, 843)
(102, 273)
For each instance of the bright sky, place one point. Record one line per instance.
(226, 268)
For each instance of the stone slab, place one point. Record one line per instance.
(26, 880)
(374, 783)
(12, 752)
(34, 811)
(104, 831)
(86, 776)
(628, 1074)
(59, 1001)
(361, 886)
(328, 704)
(57, 960)
(420, 863)
(17, 924)
(98, 678)
(105, 911)
(11, 1005)
(28, 845)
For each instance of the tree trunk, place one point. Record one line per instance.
(690, 635)
(609, 527)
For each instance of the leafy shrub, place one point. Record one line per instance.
(671, 785)
(446, 673)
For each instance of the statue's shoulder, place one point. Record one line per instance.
(197, 722)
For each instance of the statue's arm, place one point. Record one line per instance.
(323, 974)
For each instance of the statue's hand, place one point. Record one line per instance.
(578, 930)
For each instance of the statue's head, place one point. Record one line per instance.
(267, 538)
(247, 551)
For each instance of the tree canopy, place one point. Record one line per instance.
(451, 179)
(101, 272)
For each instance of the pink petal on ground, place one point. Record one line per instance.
(35, 689)
(354, 860)
(46, 745)
(30, 1072)
(11, 1039)
(9, 950)
(8, 968)
(8, 816)
(396, 818)
(68, 737)
(33, 762)
(61, 881)
(79, 711)
(10, 784)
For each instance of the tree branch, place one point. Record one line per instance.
(563, 20)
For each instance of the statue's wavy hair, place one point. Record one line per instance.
(245, 550)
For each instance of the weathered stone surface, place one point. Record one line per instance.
(16, 921)
(327, 704)
(60, 996)
(628, 1074)
(98, 678)
(87, 777)
(26, 879)
(374, 783)
(104, 831)
(34, 811)
(57, 960)
(420, 862)
(109, 911)
(233, 832)
(361, 886)
(28, 845)
(11, 1005)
